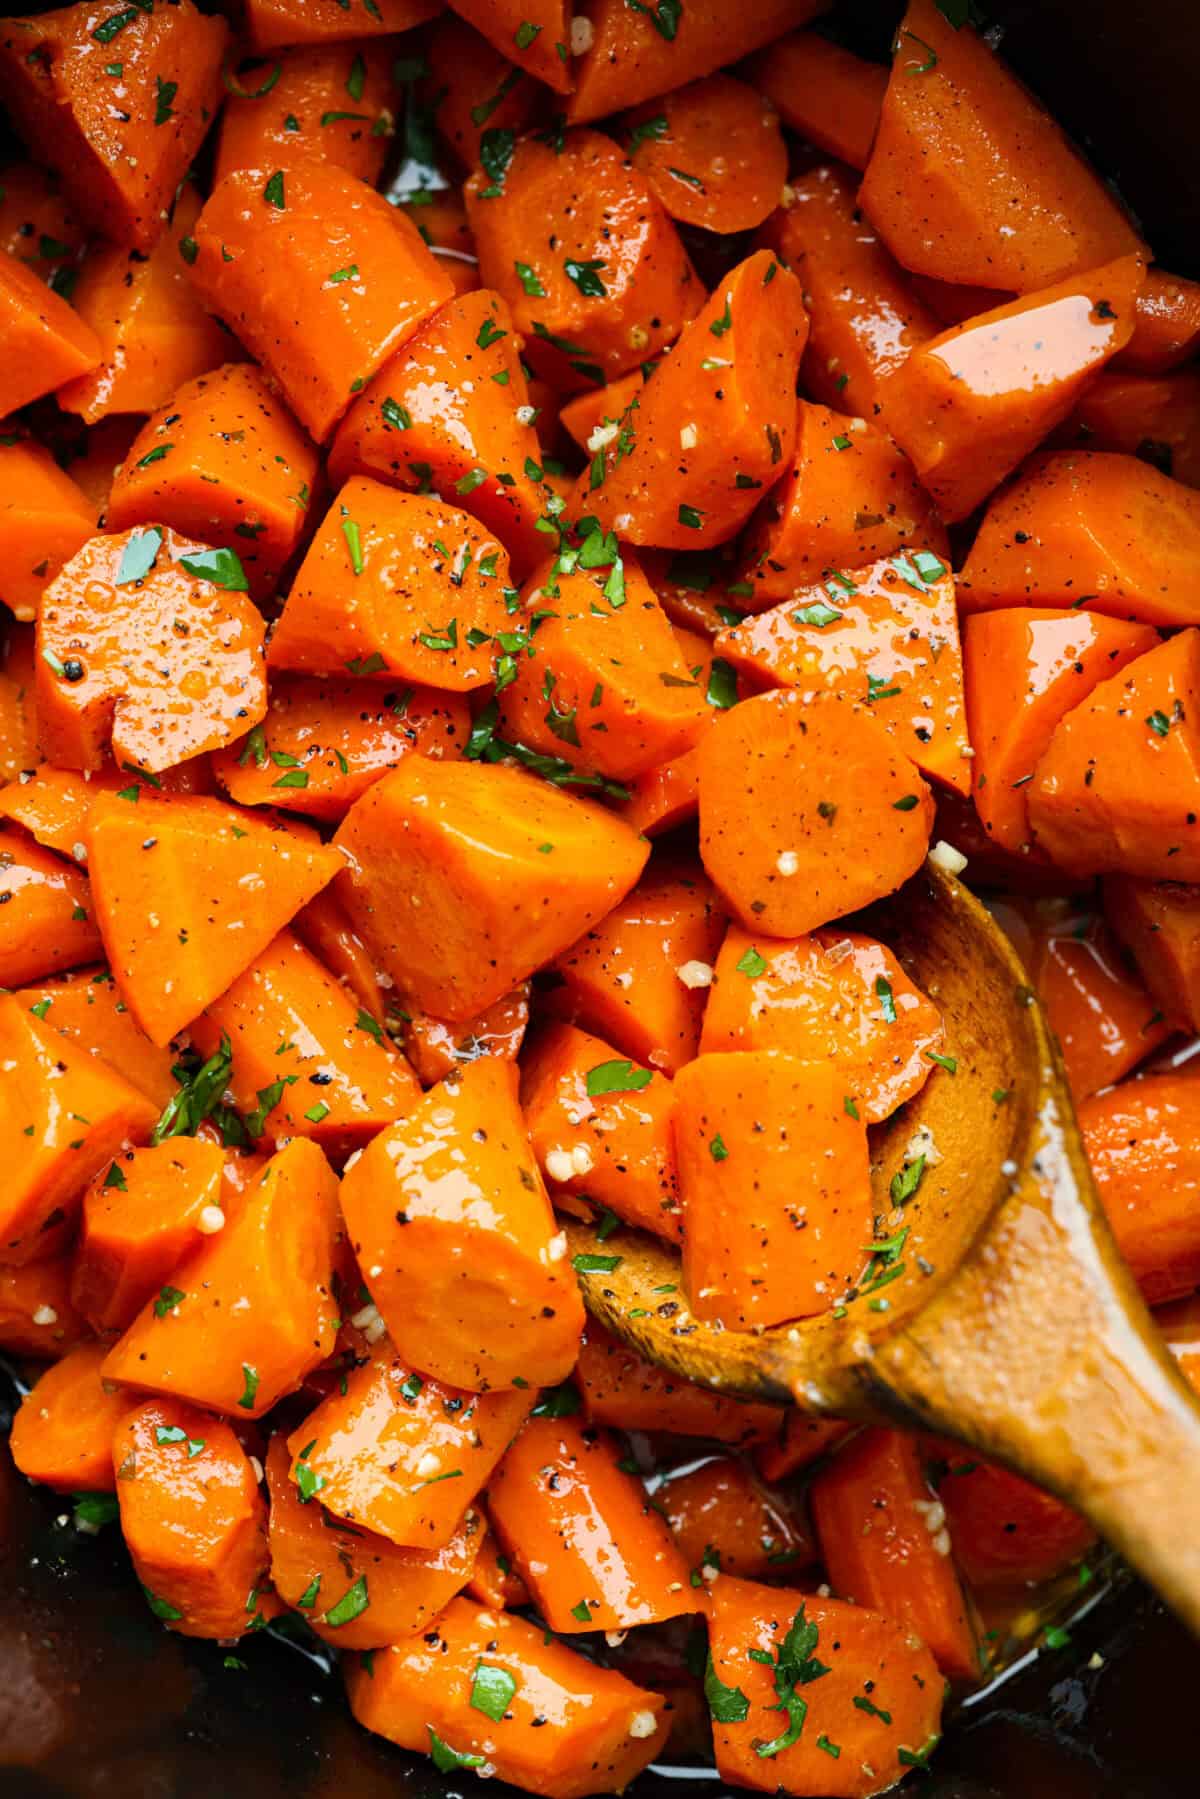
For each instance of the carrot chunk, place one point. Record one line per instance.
(1143, 1142)
(44, 520)
(20, 750)
(323, 927)
(1097, 1006)
(1005, 1530)
(86, 1008)
(46, 342)
(482, 89)
(63, 1429)
(1168, 325)
(725, 1523)
(37, 224)
(831, 97)
(320, 103)
(533, 33)
(800, 1441)
(1153, 417)
(1159, 923)
(47, 922)
(436, 1047)
(274, 24)
(713, 153)
(620, 1388)
(36, 1315)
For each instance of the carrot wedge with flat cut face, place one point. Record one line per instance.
(324, 103)
(1143, 1143)
(713, 153)
(275, 24)
(46, 343)
(1159, 923)
(47, 919)
(44, 519)
(724, 1522)
(831, 97)
(86, 1008)
(264, 1279)
(482, 89)
(535, 34)
(62, 1431)
(448, 1213)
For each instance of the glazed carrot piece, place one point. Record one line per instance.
(713, 153)
(664, 797)
(121, 141)
(141, 1216)
(441, 221)
(1025, 669)
(953, 302)
(798, 1443)
(1105, 1020)
(426, 586)
(1154, 417)
(1141, 1140)
(193, 1519)
(86, 1008)
(864, 316)
(448, 1216)
(820, 778)
(223, 461)
(716, 422)
(321, 103)
(962, 149)
(582, 1533)
(323, 927)
(493, 1582)
(36, 1315)
(822, 998)
(275, 24)
(489, 913)
(64, 1116)
(828, 1656)
(324, 742)
(265, 1273)
(19, 749)
(1168, 325)
(888, 632)
(63, 1429)
(1118, 788)
(55, 804)
(1004, 1530)
(185, 916)
(630, 57)
(37, 225)
(600, 410)
(761, 1245)
(451, 411)
(320, 278)
(1091, 528)
(482, 91)
(400, 1454)
(46, 341)
(104, 449)
(428, 1694)
(44, 519)
(436, 1048)
(356, 1590)
(725, 1523)
(1159, 923)
(849, 497)
(601, 682)
(884, 1542)
(601, 1128)
(568, 208)
(622, 1390)
(827, 94)
(971, 403)
(636, 978)
(47, 922)
(534, 34)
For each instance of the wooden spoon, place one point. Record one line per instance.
(1014, 1325)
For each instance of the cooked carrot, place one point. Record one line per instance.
(885, 1545)
(953, 302)
(1168, 325)
(48, 922)
(784, 1229)
(37, 224)
(321, 279)
(794, 1678)
(1159, 923)
(493, 1582)
(356, 1590)
(962, 150)
(55, 804)
(665, 797)
(636, 978)
(582, 1533)
(1118, 788)
(800, 1441)
(477, 91)
(63, 1429)
(86, 1008)
(535, 34)
(44, 519)
(36, 1315)
(46, 342)
(322, 103)
(601, 681)
(587, 312)
(1097, 1006)
(470, 1691)
(1143, 1144)
(264, 1279)
(600, 409)
(450, 411)
(1023, 670)
(827, 94)
(425, 587)
(193, 1519)
(400, 1454)
(456, 923)
(833, 803)
(1155, 417)
(971, 403)
(187, 893)
(436, 1048)
(715, 423)
(94, 467)
(889, 631)
(20, 751)
(1005, 1531)
(713, 153)
(848, 497)
(624, 1391)
(450, 1221)
(272, 24)
(223, 461)
(632, 56)
(601, 1128)
(441, 221)
(864, 316)
(821, 998)
(322, 925)
(120, 134)
(725, 1523)
(65, 1115)
(141, 1216)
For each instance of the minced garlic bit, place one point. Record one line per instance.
(257, 1467)
(526, 414)
(557, 1248)
(428, 1465)
(695, 974)
(689, 437)
(559, 1165)
(643, 1724)
(788, 862)
(581, 35)
(614, 1638)
(45, 1315)
(210, 1221)
(581, 1159)
(943, 855)
(922, 1144)
(602, 436)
